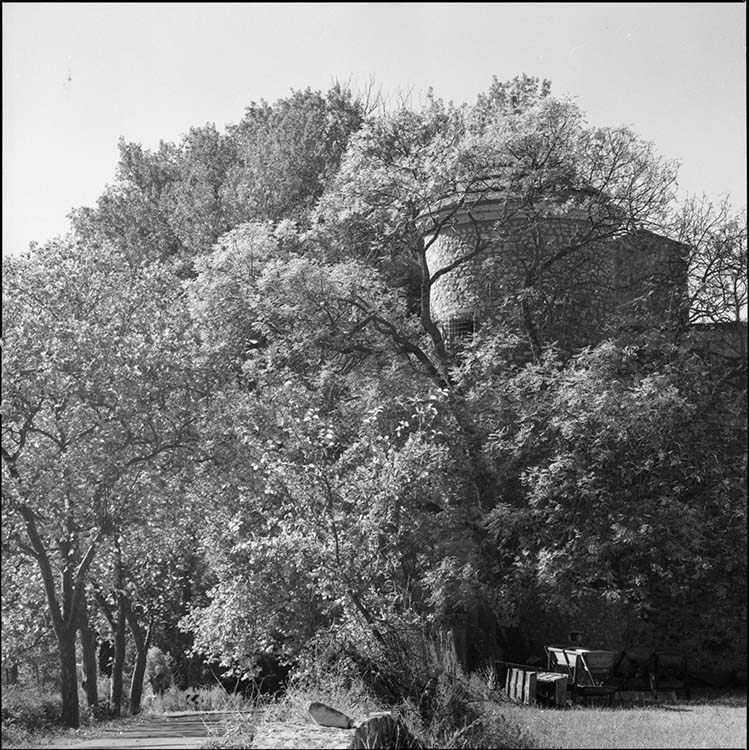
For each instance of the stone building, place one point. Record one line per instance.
(561, 271)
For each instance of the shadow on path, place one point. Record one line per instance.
(170, 731)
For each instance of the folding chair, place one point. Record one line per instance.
(562, 660)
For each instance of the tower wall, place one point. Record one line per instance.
(575, 281)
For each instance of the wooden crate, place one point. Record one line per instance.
(553, 687)
(524, 685)
(521, 685)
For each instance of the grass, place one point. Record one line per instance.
(30, 716)
(237, 731)
(352, 700)
(19, 737)
(710, 720)
(214, 698)
(234, 733)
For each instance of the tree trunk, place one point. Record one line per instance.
(65, 618)
(118, 632)
(116, 622)
(88, 650)
(118, 666)
(136, 685)
(142, 641)
(68, 676)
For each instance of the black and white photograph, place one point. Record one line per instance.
(374, 375)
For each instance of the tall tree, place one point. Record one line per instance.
(98, 391)
(132, 213)
(174, 202)
(320, 444)
(716, 235)
(28, 642)
(287, 152)
(306, 324)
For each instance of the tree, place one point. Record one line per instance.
(173, 203)
(28, 648)
(150, 578)
(98, 394)
(716, 236)
(318, 454)
(307, 323)
(621, 483)
(362, 474)
(132, 213)
(286, 153)
(406, 175)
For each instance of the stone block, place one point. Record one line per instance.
(326, 716)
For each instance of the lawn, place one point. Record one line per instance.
(711, 719)
(703, 722)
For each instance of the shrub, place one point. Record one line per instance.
(158, 669)
(421, 682)
(29, 709)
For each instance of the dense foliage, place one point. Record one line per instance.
(232, 426)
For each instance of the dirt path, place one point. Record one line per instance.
(189, 731)
(276, 735)
(179, 731)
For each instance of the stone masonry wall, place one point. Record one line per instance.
(573, 300)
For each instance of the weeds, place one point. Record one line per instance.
(214, 698)
(30, 710)
(31, 715)
(416, 678)
(337, 685)
(234, 733)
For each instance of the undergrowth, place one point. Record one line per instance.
(416, 679)
(213, 698)
(31, 715)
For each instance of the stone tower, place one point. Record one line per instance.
(561, 270)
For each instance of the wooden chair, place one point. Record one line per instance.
(594, 675)
(560, 659)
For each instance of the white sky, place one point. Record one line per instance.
(77, 76)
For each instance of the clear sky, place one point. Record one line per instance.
(77, 76)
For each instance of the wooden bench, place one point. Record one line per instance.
(590, 673)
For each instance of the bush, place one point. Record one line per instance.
(336, 684)
(27, 711)
(30, 710)
(421, 682)
(158, 670)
